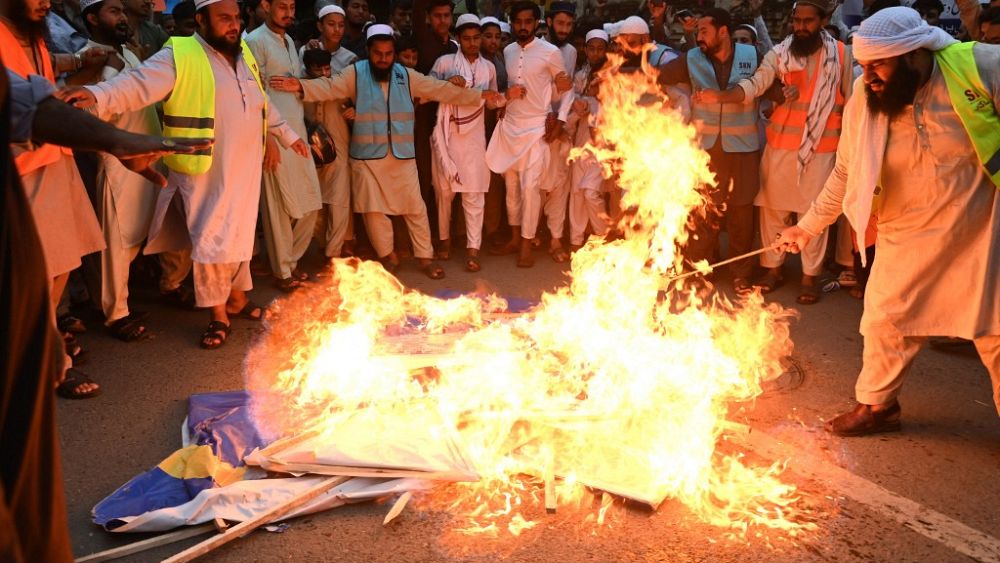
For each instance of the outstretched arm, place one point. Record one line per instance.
(141, 87)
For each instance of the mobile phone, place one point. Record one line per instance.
(684, 14)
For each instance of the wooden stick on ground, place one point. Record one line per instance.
(140, 546)
(244, 528)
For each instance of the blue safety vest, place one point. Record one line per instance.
(737, 123)
(661, 55)
(380, 124)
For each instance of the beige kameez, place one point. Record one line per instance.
(389, 186)
(937, 265)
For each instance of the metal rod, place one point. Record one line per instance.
(712, 267)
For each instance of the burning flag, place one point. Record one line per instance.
(609, 383)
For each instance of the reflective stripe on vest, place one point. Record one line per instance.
(737, 123)
(789, 120)
(379, 124)
(973, 104)
(189, 112)
(17, 62)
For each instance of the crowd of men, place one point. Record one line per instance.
(356, 134)
(277, 130)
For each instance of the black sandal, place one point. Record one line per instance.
(769, 283)
(808, 295)
(69, 323)
(181, 298)
(72, 380)
(251, 312)
(130, 328)
(472, 264)
(432, 270)
(390, 262)
(289, 285)
(215, 335)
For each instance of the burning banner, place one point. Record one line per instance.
(609, 383)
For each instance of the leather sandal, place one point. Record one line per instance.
(863, 421)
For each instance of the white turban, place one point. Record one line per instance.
(896, 31)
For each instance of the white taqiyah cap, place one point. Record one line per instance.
(330, 9)
(490, 20)
(504, 27)
(377, 30)
(634, 25)
(467, 19)
(199, 4)
(84, 4)
(597, 34)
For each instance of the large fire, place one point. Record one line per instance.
(610, 383)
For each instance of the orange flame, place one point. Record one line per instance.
(606, 384)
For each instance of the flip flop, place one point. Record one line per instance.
(215, 335)
(559, 254)
(390, 263)
(69, 323)
(73, 379)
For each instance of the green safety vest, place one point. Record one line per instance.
(973, 104)
(189, 112)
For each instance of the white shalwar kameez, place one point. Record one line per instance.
(335, 178)
(937, 265)
(556, 184)
(290, 193)
(458, 148)
(517, 149)
(125, 200)
(389, 186)
(220, 206)
(586, 198)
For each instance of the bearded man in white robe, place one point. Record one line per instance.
(921, 152)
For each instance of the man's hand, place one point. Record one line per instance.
(77, 96)
(301, 148)
(657, 12)
(707, 96)
(563, 82)
(516, 92)
(272, 154)
(285, 84)
(790, 92)
(350, 113)
(582, 108)
(95, 57)
(138, 153)
(554, 128)
(689, 23)
(115, 61)
(457, 80)
(755, 6)
(794, 239)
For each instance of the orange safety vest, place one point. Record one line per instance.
(15, 59)
(789, 120)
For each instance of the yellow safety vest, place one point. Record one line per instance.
(973, 104)
(189, 112)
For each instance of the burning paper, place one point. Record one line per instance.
(606, 383)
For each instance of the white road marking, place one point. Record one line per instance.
(930, 523)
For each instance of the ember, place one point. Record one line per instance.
(605, 384)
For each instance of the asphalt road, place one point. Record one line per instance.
(946, 459)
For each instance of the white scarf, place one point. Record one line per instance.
(473, 73)
(891, 32)
(824, 94)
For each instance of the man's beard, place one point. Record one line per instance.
(555, 40)
(897, 93)
(631, 60)
(121, 34)
(805, 46)
(709, 50)
(524, 35)
(380, 74)
(223, 45)
(33, 29)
